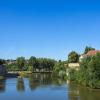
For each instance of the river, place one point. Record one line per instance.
(44, 87)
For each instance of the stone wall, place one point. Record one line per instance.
(75, 66)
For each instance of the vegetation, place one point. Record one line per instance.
(12, 67)
(87, 49)
(1, 78)
(20, 84)
(33, 64)
(2, 61)
(20, 61)
(89, 73)
(59, 69)
(73, 57)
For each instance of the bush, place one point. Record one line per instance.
(62, 73)
(89, 73)
(1, 78)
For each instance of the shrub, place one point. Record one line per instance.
(89, 73)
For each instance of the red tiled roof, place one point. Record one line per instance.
(90, 53)
(93, 52)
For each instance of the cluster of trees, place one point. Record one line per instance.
(32, 64)
(44, 64)
(60, 69)
(35, 64)
(73, 56)
(87, 49)
(2, 61)
(89, 72)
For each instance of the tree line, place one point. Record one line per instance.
(32, 64)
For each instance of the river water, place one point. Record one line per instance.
(44, 87)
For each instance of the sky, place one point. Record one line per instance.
(48, 28)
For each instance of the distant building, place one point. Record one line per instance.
(90, 53)
(10, 62)
(2, 70)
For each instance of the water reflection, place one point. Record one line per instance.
(2, 86)
(73, 92)
(88, 94)
(82, 93)
(39, 80)
(20, 84)
(41, 84)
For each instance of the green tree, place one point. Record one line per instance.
(20, 61)
(73, 57)
(45, 64)
(59, 69)
(32, 62)
(94, 71)
(87, 49)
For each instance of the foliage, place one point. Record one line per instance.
(32, 61)
(12, 67)
(2, 61)
(20, 84)
(87, 49)
(33, 64)
(1, 78)
(23, 74)
(44, 64)
(20, 61)
(73, 57)
(59, 68)
(89, 73)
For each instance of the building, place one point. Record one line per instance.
(90, 53)
(2, 70)
(10, 62)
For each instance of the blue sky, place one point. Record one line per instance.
(48, 28)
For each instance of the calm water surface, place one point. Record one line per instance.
(44, 87)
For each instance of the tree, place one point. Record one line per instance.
(73, 57)
(59, 69)
(2, 61)
(50, 64)
(32, 62)
(20, 61)
(87, 49)
(45, 64)
(94, 71)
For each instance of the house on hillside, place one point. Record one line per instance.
(90, 53)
